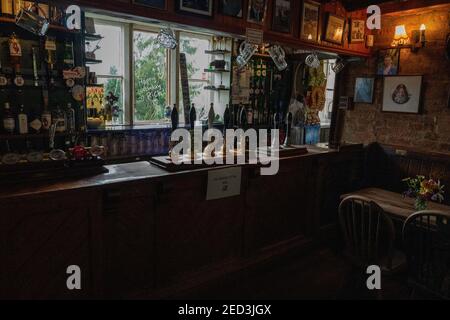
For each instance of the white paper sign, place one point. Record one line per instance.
(224, 183)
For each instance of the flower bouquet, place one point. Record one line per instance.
(424, 190)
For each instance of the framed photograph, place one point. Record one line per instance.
(388, 62)
(159, 4)
(257, 11)
(232, 8)
(200, 7)
(402, 94)
(282, 16)
(310, 21)
(364, 88)
(357, 31)
(335, 29)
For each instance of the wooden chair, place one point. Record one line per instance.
(368, 232)
(426, 235)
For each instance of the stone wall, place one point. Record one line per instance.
(427, 131)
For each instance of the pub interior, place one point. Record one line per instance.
(224, 149)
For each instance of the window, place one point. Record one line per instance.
(145, 76)
(111, 72)
(325, 115)
(150, 77)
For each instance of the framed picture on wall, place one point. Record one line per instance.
(357, 30)
(200, 7)
(388, 62)
(364, 88)
(232, 8)
(402, 94)
(257, 11)
(334, 31)
(159, 4)
(281, 20)
(310, 21)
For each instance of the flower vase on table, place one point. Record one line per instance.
(424, 190)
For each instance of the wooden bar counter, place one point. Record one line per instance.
(141, 232)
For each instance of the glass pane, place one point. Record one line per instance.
(150, 79)
(116, 87)
(111, 50)
(197, 59)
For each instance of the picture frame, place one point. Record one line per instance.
(158, 4)
(257, 11)
(282, 16)
(388, 62)
(232, 8)
(310, 19)
(402, 94)
(357, 31)
(364, 90)
(197, 7)
(335, 29)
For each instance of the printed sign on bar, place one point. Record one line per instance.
(224, 183)
(255, 36)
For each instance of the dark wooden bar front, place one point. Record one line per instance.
(139, 231)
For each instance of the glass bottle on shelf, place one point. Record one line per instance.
(70, 115)
(46, 119)
(9, 124)
(59, 119)
(69, 60)
(22, 120)
(35, 124)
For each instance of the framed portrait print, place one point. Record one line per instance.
(388, 63)
(281, 20)
(200, 7)
(310, 21)
(232, 8)
(159, 4)
(364, 88)
(357, 30)
(257, 11)
(402, 94)
(335, 29)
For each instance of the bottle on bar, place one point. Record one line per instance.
(35, 124)
(9, 123)
(70, 115)
(22, 120)
(59, 120)
(15, 56)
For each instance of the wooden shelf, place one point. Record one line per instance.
(52, 26)
(216, 70)
(217, 52)
(30, 136)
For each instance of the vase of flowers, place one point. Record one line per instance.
(424, 190)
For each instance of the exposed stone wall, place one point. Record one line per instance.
(428, 131)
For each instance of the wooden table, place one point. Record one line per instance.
(393, 203)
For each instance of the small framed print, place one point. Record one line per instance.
(158, 4)
(364, 88)
(310, 21)
(282, 18)
(232, 8)
(199, 7)
(257, 11)
(357, 30)
(402, 94)
(335, 29)
(388, 62)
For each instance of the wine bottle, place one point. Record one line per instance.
(59, 120)
(70, 115)
(15, 55)
(9, 124)
(35, 124)
(22, 120)
(69, 60)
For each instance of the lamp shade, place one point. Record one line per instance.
(400, 32)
